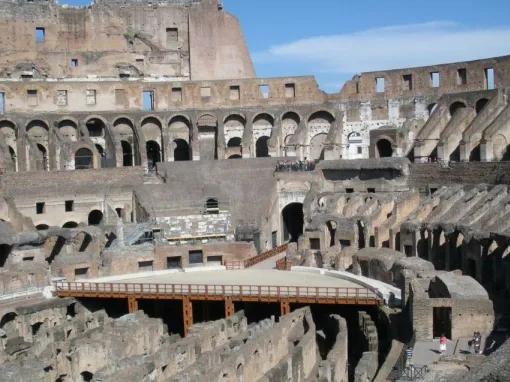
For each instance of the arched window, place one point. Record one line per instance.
(212, 206)
(480, 105)
(95, 217)
(95, 127)
(83, 159)
(456, 106)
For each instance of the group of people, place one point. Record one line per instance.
(475, 344)
(302, 165)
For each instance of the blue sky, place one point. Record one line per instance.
(335, 39)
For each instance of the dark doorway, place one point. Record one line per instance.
(173, 262)
(455, 107)
(262, 148)
(480, 105)
(127, 154)
(181, 151)
(384, 148)
(475, 155)
(442, 322)
(95, 217)
(153, 154)
(361, 235)
(5, 250)
(83, 159)
(293, 220)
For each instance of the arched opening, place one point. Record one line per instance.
(42, 161)
(68, 130)
(86, 376)
(5, 251)
(152, 131)
(456, 106)
(235, 156)
(95, 217)
(355, 144)
(212, 206)
(127, 154)
(70, 225)
(261, 147)
(234, 142)
(95, 127)
(181, 150)
(42, 227)
(293, 221)
(384, 148)
(7, 319)
(480, 105)
(153, 153)
(423, 245)
(83, 159)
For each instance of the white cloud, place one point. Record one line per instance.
(390, 48)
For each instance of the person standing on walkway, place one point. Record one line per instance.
(442, 344)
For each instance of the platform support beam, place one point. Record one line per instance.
(187, 314)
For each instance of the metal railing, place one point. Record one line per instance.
(205, 290)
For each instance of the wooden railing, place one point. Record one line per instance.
(283, 264)
(265, 255)
(262, 292)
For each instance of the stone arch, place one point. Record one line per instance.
(234, 142)
(234, 126)
(262, 127)
(384, 148)
(95, 217)
(96, 126)
(9, 134)
(152, 130)
(70, 224)
(7, 319)
(83, 159)
(38, 134)
(207, 126)
(320, 122)
(126, 132)
(68, 129)
(480, 104)
(42, 227)
(290, 123)
(456, 106)
(235, 156)
(180, 133)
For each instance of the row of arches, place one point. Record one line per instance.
(163, 141)
(94, 218)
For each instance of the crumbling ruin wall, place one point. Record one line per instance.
(335, 367)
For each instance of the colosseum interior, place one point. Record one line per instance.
(166, 215)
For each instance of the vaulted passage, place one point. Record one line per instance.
(293, 221)
(95, 217)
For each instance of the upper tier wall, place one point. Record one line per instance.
(412, 82)
(122, 37)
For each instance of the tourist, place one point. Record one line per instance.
(442, 344)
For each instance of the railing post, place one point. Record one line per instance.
(132, 305)
(187, 314)
(284, 307)
(229, 307)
